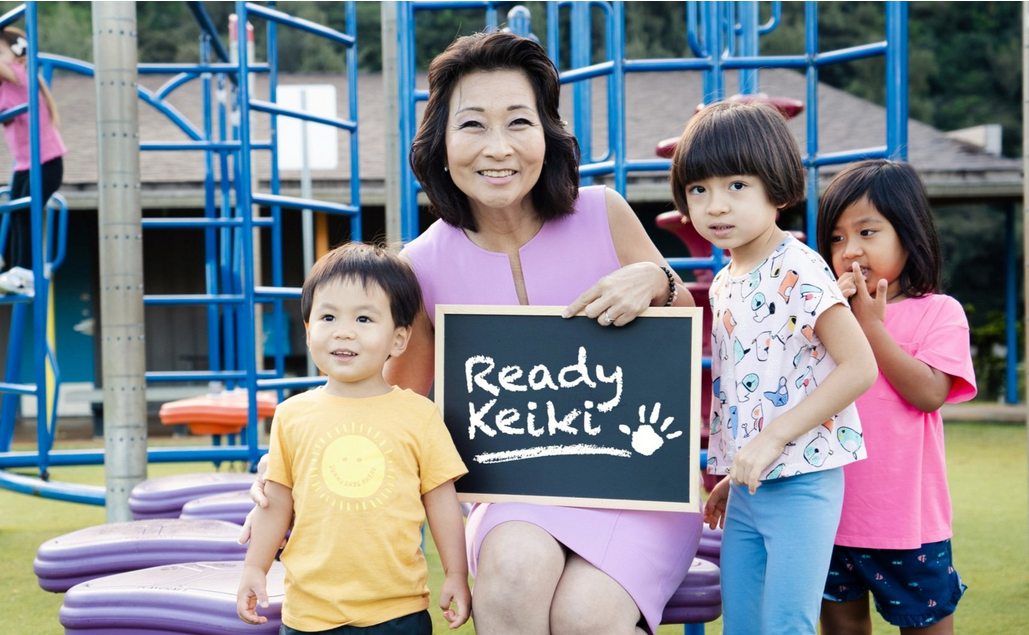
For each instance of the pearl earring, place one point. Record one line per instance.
(446, 169)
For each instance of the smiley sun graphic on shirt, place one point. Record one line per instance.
(353, 468)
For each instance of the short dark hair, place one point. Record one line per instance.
(896, 191)
(369, 264)
(730, 138)
(555, 192)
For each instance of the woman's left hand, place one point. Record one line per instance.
(617, 298)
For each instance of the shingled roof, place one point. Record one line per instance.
(657, 107)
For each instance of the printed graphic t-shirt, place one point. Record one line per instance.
(766, 358)
(358, 469)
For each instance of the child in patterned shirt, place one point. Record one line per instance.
(788, 361)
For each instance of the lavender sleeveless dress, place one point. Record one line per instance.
(648, 553)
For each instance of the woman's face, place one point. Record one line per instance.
(495, 142)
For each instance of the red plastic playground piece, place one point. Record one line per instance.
(222, 413)
(788, 106)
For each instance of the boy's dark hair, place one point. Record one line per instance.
(369, 264)
(897, 192)
(554, 194)
(731, 138)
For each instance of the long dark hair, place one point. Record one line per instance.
(896, 191)
(554, 194)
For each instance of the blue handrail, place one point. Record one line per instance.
(229, 290)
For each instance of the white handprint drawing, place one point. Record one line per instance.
(645, 439)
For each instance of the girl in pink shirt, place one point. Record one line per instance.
(14, 92)
(876, 228)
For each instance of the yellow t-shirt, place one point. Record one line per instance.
(358, 469)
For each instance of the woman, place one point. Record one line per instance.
(501, 173)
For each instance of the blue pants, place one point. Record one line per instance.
(775, 553)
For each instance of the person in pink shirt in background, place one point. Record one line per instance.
(876, 228)
(14, 92)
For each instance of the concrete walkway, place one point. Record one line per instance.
(985, 411)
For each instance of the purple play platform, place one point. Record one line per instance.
(710, 548)
(698, 599)
(164, 496)
(105, 549)
(232, 507)
(182, 599)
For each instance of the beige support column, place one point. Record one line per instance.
(121, 253)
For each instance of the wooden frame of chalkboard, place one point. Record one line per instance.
(560, 411)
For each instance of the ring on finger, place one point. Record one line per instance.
(607, 318)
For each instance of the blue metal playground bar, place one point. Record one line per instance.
(230, 295)
(39, 299)
(275, 200)
(716, 32)
(714, 53)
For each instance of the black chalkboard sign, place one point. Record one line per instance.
(566, 412)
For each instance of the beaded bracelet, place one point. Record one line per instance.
(673, 291)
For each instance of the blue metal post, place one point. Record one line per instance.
(747, 10)
(811, 52)
(278, 315)
(554, 33)
(225, 234)
(616, 99)
(39, 304)
(245, 201)
(519, 21)
(582, 93)
(13, 369)
(405, 73)
(356, 230)
(210, 234)
(1011, 309)
(897, 80)
(714, 78)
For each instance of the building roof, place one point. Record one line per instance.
(657, 107)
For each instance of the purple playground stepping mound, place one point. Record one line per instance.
(181, 599)
(164, 496)
(232, 507)
(89, 553)
(698, 599)
(710, 548)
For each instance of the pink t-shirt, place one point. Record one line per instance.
(898, 498)
(17, 132)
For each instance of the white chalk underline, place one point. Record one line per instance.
(581, 449)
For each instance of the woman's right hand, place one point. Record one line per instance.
(257, 494)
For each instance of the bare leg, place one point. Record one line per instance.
(846, 618)
(589, 602)
(518, 570)
(943, 627)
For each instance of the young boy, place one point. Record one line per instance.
(360, 464)
(788, 361)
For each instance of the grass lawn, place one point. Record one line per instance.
(988, 479)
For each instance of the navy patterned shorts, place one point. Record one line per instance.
(911, 587)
